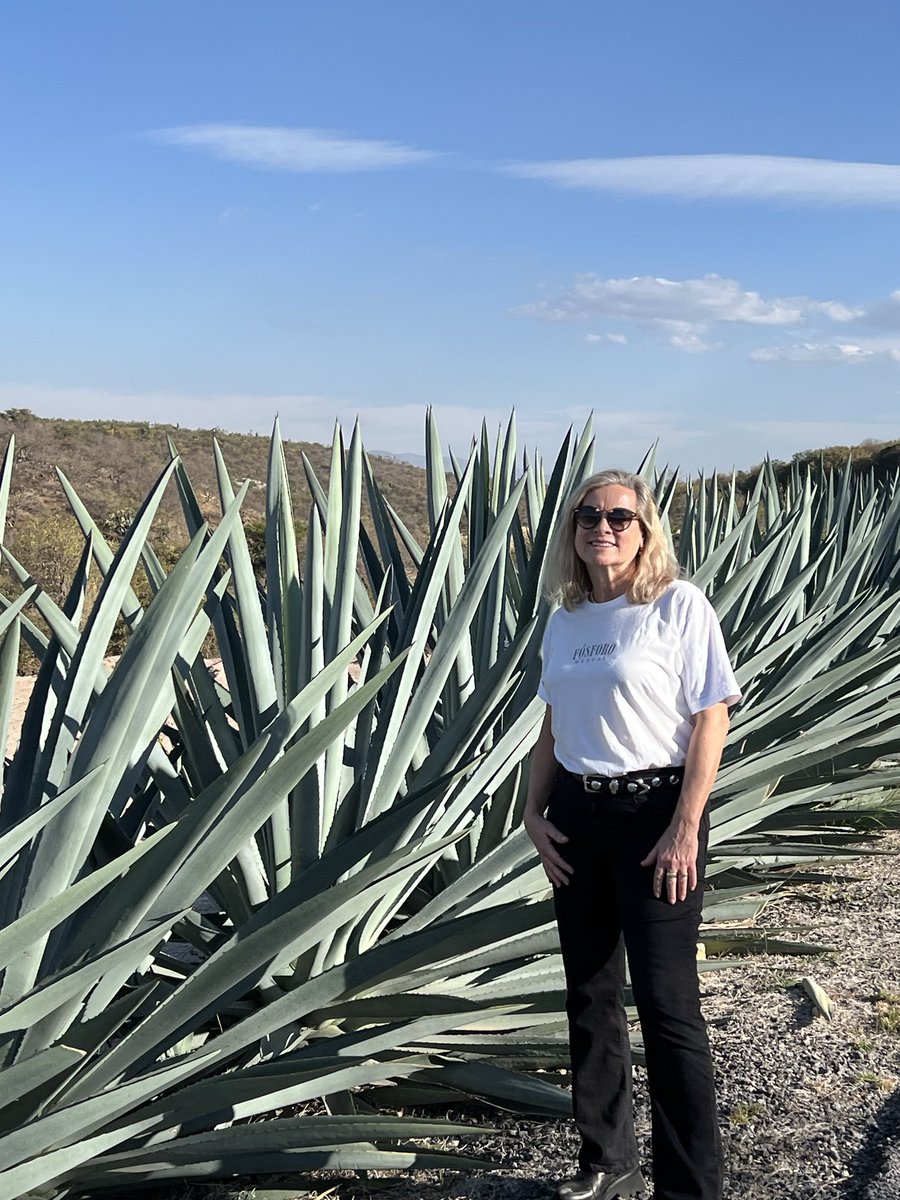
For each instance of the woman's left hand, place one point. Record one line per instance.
(674, 862)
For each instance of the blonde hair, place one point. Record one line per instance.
(567, 579)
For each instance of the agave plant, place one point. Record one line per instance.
(306, 807)
(347, 805)
(804, 579)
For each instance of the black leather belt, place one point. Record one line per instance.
(634, 783)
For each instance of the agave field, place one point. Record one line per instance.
(373, 933)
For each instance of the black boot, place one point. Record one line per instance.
(602, 1185)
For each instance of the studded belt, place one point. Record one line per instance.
(634, 783)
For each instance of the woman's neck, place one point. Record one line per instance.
(609, 585)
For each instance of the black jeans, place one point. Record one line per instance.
(606, 909)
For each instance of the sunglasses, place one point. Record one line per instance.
(618, 519)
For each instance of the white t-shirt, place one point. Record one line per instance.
(623, 680)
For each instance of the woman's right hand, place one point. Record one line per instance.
(546, 838)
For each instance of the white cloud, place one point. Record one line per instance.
(690, 343)
(813, 353)
(680, 306)
(754, 177)
(279, 148)
(613, 339)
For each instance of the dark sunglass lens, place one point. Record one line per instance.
(619, 519)
(587, 517)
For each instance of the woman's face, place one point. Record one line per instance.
(602, 546)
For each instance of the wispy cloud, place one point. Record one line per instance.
(280, 148)
(753, 177)
(865, 350)
(812, 352)
(606, 339)
(690, 343)
(682, 308)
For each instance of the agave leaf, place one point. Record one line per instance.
(20, 834)
(282, 575)
(390, 767)
(118, 721)
(9, 458)
(341, 550)
(410, 545)
(437, 499)
(394, 967)
(306, 801)
(406, 737)
(9, 662)
(284, 927)
(289, 1159)
(542, 523)
(28, 929)
(505, 1089)
(226, 814)
(389, 547)
(353, 1060)
(131, 610)
(259, 682)
(27, 1160)
(212, 1153)
(38, 1070)
(73, 984)
(57, 858)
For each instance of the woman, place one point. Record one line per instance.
(637, 684)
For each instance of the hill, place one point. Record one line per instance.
(881, 457)
(113, 464)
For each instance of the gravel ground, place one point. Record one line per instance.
(809, 1107)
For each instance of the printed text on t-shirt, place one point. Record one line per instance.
(593, 650)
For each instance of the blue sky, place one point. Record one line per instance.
(683, 217)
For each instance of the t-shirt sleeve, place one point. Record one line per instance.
(707, 674)
(543, 691)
